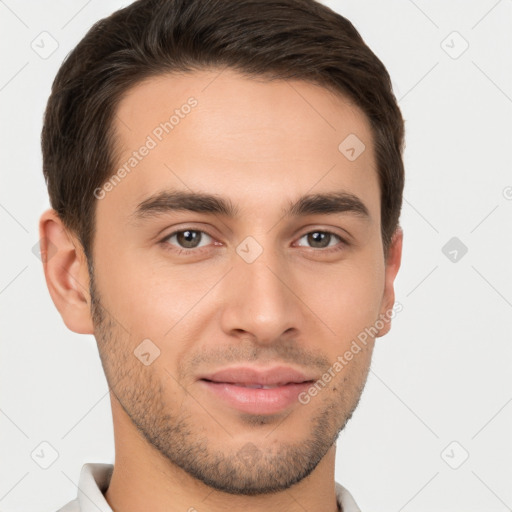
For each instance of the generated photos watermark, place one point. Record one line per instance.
(355, 347)
(156, 136)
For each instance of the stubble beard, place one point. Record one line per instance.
(250, 469)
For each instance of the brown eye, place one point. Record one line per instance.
(186, 239)
(321, 239)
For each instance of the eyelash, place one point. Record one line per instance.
(181, 251)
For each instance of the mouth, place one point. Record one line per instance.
(256, 385)
(256, 390)
(252, 376)
(253, 386)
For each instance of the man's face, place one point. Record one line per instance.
(272, 298)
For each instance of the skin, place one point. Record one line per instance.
(261, 144)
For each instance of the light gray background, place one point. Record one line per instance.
(442, 375)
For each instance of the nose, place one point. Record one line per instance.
(260, 299)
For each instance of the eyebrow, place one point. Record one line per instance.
(200, 202)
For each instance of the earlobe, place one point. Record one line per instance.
(393, 261)
(66, 272)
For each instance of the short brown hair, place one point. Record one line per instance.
(277, 39)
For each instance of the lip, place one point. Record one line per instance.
(231, 385)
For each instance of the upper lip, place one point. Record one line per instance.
(277, 375)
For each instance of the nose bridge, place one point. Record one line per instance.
(260, 302)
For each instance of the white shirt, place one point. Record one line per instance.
(95, 479)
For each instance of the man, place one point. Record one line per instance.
(226, 182)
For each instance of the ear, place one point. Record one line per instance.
(393, 260)
(66, 272)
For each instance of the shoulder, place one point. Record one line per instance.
(345, 499)
(93, 482)
(72, 506)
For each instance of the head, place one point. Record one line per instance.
(226, 182)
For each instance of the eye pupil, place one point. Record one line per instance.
(319, 236)
(185, 238)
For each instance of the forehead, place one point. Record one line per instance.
(251, 138)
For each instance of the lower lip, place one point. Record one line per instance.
(257, 400)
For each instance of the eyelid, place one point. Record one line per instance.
(341, 233)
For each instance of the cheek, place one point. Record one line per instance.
(348, 297)
(154, 300)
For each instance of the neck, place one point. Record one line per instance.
(143, 479)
